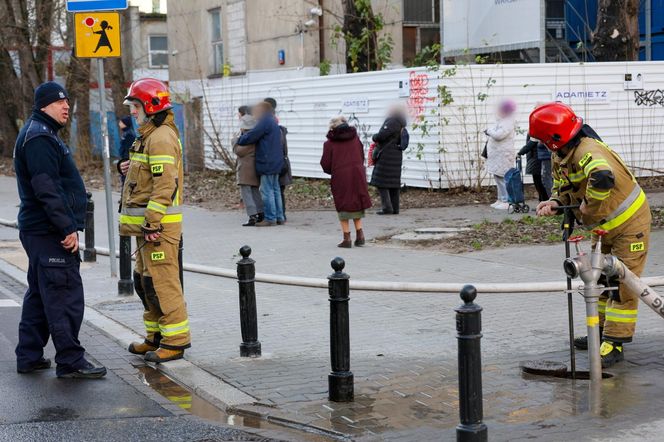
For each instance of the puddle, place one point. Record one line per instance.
(194, 404)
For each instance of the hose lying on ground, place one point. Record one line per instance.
(379, 286)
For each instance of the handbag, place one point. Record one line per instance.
(484, 153)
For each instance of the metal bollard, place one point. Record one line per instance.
(469, 333)
(125, 283)
(246, 272)
(90, 254)
(340, 379)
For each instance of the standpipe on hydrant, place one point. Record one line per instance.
(589, 267)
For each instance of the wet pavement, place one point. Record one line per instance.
(133, 402)
(403, 346)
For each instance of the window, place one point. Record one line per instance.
(158, 51)
(217, 42)
(421, 11)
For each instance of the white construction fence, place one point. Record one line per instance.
(449, 107)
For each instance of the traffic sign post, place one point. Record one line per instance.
(96, 5)
(97, 35)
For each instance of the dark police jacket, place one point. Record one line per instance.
(53, 197)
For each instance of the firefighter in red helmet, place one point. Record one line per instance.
(151, 211)
(587, 172)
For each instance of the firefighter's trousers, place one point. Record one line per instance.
(629, 243)
(157, 282)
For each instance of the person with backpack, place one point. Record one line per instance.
(500, 150)
(391, 140)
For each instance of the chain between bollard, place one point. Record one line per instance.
(246, 272)
(125, 283)
(340, 379)
(469, 334)
(90, 254)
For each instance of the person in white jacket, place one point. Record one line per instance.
(500, 149)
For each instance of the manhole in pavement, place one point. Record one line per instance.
(555, 369)
(429, 234)
(121, 306)
(440, 230)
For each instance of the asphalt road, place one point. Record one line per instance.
(41, 407)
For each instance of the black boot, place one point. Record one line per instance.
(252, 221)
(582, 342)
(260, 217)
(611, 353)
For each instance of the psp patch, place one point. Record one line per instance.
(157, 169)
(157, 256)
(637, 247)
(586, 159)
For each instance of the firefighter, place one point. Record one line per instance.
(587, 172)
(151, 211)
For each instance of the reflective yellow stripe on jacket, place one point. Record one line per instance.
(139, 220)
(626, 215)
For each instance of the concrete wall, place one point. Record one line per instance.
(254, 32)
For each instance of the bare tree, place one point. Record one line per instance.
(24, 45)
(616, 37)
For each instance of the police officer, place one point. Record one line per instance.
(53, 201)
(151, 211)
(587, 172)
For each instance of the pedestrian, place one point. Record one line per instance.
(343, 159)
(266, 135)
(544, 157)
(588, 173)
(127, 137)
(52, 212)
(286, 175)
(246, 174)
(388, 157)
(151, 210)
(534, 166)
(500, 149)
(243, 110)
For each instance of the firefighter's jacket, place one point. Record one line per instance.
(593, 173)
(152, 193)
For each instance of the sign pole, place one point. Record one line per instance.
(106, 154)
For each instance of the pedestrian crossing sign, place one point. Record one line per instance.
(97, 35)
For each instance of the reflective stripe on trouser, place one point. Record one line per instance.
(166, 315)
(629, 243)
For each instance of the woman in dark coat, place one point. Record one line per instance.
(343, 158)
(388, 157)
(534, 167)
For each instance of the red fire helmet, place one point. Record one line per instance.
(151, 93)
(554, 124)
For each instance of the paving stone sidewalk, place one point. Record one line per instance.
(403, 344)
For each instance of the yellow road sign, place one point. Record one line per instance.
(97, 34)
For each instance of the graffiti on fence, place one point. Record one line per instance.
(419, 89)
(363, 129)
(650, 98)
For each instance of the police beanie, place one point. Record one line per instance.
(47, 93)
